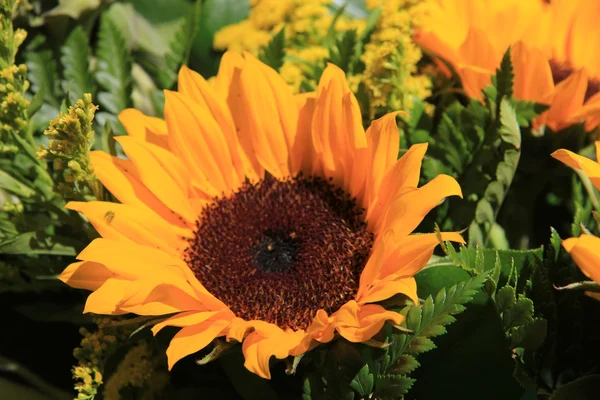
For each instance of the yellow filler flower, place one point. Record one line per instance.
(585, 249)
(250, 213)
(551, 55)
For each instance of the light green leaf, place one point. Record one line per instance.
(363, 382)
(13, 185)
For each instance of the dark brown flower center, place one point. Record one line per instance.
(562, 70)
(278, 251)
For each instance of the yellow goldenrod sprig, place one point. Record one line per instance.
(71, 138)
(95, 349)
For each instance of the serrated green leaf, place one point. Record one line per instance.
(75, 56)
(413, 318)
(505, 76)
(343, 54)
(404, 365)
(509, 126)
(529, 336)
(114, 66)
(392, 386)
(519, 314)
(363, 381)
(505, 298)
(274, 52)
(43, 76)
(420, 344)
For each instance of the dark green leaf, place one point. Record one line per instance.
(7, 182)
(274, 52)
(76, 64)
(530, 335)
(505, 77)
(392, 386)
(505, 298)
(343, 54)
(519, 314)
(363, 382)
(113, 69)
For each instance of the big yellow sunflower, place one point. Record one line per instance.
(585, 249)
(551, 55)
(250, 213)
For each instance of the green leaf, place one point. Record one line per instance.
(505, 77)
(404, 365)
(39, 243)
(43, 76)
(113, 69)
(13, 185)
(519, 314)
(530, 335)
(274, 52)
(363, 382)
(505, 298)
(392, 386)
(343, 54)
(76, 65)
(509, 125)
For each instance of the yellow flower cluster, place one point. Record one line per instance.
(71, 138)
(306, 25)
(136, 369)
(13, 80)
(95, 349)
(391, 78)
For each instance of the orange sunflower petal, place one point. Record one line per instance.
(105, 299)
(183, 319)
(259, 349)
(589, 167)
(566, 100)
(148, 129)
(301, 157)
(85, 275)
(360, 323)
(585, 251)
(533, 77)
(191, 339)
(408, 210)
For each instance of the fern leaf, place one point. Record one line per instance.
(76, 67)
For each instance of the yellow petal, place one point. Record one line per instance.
(148, 129)
(194, 338)
(105, 299)
(183, 319)
(533, 77)
(566, 100)
(122, 179)
(585, 251)
(589, 167)
(131, 224)
(403, 174)
(360, 323)
(408, 209)
(85, 275)
(263, 106)
(259, 349)
(231, 64)
(302, 157)
(385, 289)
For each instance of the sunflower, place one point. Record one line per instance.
(250, 213)
(585, 249)
(550, 51)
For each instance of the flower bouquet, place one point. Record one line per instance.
(286, 199)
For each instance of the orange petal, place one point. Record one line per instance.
(230, 65)
(533, 77)
(383, 290)
(321, 328)
(408, 209)
(585, 251)
(85, 275)
(148, 129)
(589, 167)
(269, 115)
(183, 319)
(122, 179)
(259, 349)
(302, 157)
(194, 338)
(198, 89)
(403, 174)
(567, 100)
(105, 299)
(384, 141)
(360, 323)
(131, 224)
(197, 139)
(129, 260)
